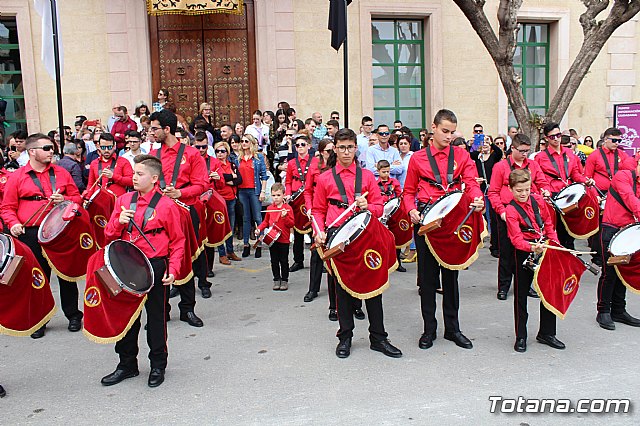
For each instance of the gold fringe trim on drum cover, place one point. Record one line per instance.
(29, 332)
(199, 250)
(466, 264)
(184, 280)
(303, 231)
(363, 296)
(537, 288)
(107, 340)
(214, 245)
(626, 284)
(576, 236)
(405, 244)
(60, 274)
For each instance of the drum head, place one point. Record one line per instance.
(129, 266)
(442, 207)
(390, 207)
(7, 251)
(570, 195)
(626, 241)
(53, 224)
(351, 229)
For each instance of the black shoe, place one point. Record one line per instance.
(39, 332)
(211, 274)
(386, 348)
(358, 314)
(310, 296)
(550, 340)
(75, 324)
(296, 266)
(156, 377)
(173, 292)
(502, 295)
(605, 321)
(206, 292)
(333, 315)
(495, 253)
(401, 269)
(459, 339)
(520, 346)
(192, 319)
(532, 293)
(118, 376)
(246, 251)
(258, 252)
(3, 393)
(343, 350)
(625, 318)
(426, 340)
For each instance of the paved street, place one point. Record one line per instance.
(267, 358)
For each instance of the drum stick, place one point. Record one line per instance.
(41, 210)
(346, 212)
(600, 192)
(315, 225)
(471, 209)
(278, 210)
(96, 182)
(564, 249)
(135, 225)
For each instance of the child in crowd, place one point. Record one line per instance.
(279, 215)
(389, 188)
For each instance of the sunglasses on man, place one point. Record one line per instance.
(45, 148)
(200, 146)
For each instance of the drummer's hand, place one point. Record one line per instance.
(107, 173)
(480, 180)
(172, 192)
(590, 182)
(545, 193)
(256, 232)
(168, 279)
(214, 175)
(286, 198)
(361, 202)
(478, 203)
(125, 216)
(17, 230)
(321, 238)
(283, 213)
(538, 248)
(503, 216)
(415, 216)
(56, 198)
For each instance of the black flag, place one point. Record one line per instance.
(338, 22)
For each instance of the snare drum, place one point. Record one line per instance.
(10, 262)
(100, 206)
(347, 233)
(271, 235)
(67, 240)
(433, 214)
(296, 194)
(218, 226)
(125, 268)
(624, 244)
(567, 200)
(390, 208)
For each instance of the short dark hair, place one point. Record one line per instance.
(165, 91)
(278, 186)
(290, 111)
(308, 121)
(611, 131)
(106, 137)
(201, 136)
(365, 119)
(381, 125)
(397, 121)
(520, 139)
(445, 114)
(519, 176)
(166, 118)
(345, 135)
(334, 112)
(382, 164)
(227, 125)
(123, 108)
(478, 125)
(565, 139)
(151, 162)
(333, 123)
(133, 134)
(19, 134)
(34, 138)
(459, 142)
(549, 127)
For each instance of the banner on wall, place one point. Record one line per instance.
(626, 117)
(193, 7)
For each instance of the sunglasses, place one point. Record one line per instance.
(499, 143)
(290, 135)
(106, 147)
(299, 144)
(478, 131)
(335, 118)
(220, 151)
(614, 140)
(556, 136)
(523, 151)
(201, 146)
(45, 148)
(384, 133)
(246, 140)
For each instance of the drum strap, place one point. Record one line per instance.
(388, 191)
(436, 170)
(606, 162)
(208, 161)
(525, 216)
(565, 161)
(617, 196)
(303, 175)
(111, 167)
(36, 181)
(147, 213)
(176, 167)
(340, 185)
(512, 167)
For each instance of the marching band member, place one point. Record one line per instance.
(433, 172)
(280, 215)
(112, 172)
(528, 219)
(183, 178)
(165, 257)
(500, 196)
(342, 185)
(622, 208)
(30, 189)
(389, 188)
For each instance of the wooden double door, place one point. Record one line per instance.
(206, 58)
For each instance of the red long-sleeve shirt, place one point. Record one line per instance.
(284, 223)
(390, 188)
(193, 178)
(293, 181)
(16, 209)
(596, 168)
(561, 180)
(228, 192)
(121, 179)
(515, 223)
(169, 241)
(614, 213)
(118, 130)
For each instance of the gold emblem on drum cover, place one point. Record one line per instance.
(153, 215)
(86, 241)
(3, 179)
(404, 224)
(92, 297)
(303, 209)
(455, 164)
(569, 285)
(100, 220)
(37, 278)
(372, 259)
(589, 213)
(184, 160)
(465, 234)
(218, 216)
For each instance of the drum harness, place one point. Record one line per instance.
(616, 196)
(111, 167)
(565, 161)
(36, 181)
(532, 260)
(438, 178)
(344, 204)
(174, 177)
(389, 192)
(302, 176)
(147, 215)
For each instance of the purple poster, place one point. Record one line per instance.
(626, 117)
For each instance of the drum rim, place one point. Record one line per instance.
(442, 197)
(107, 263)
(266, 232)
(631, 225)
(9, 254)
(347, 221)
(397, 207)
(61, 206)
(557, 201)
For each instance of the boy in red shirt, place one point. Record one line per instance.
(280, 215)
(389, 188)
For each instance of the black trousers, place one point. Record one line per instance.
(315, 271)
(298, 247)
(211, 256)
(428, 279)
(524, 278)
(280, 261)
(563, 236)
(68, 289)
(595, 243)
(345, 305)
(505, 262)
(611, 291)
(188, 290)
(494, 219)
(156, 303)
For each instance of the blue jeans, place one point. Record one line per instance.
(251, 206)
(227, 247)
(487, 213)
